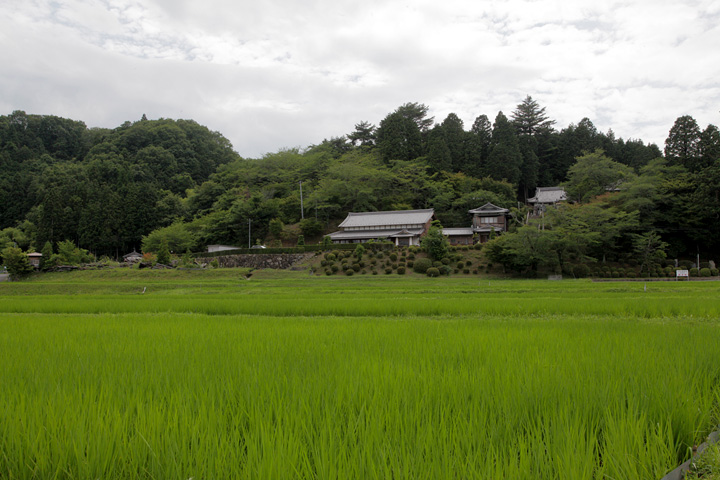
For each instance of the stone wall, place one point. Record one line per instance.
(282, 261)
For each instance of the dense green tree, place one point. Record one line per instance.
(650, 250)
(456, 140)
(439, 156)
(682, 146)
(709, 146)
(163, 253)
(529, 118)
(434, 243)
(363, 135)
(505, 158)
(16, 261)
(398, 138)
(595, 174)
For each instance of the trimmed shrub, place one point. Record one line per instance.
(349, 272)
(445, 261)
(330, 257)
(468, 263)
(388, 271)
(437, 264)
(460, 265)
(477, 246)
(466, 270)
(334, 268)
(410, 264)
(393, 257)
(356, 267)
(581, 270)
(704, 272)
(445, 270)
(401, 271)
(714, 272)
(328, 271)
(421, 265)
(411, 256)
(693, 272)
(432, 272)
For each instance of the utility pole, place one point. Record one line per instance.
(249, 230)
(302, 210)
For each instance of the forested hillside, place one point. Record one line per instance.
(107, 189)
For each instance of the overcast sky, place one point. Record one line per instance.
(285, 73)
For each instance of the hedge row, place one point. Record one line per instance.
(300, 249)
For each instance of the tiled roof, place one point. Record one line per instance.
(489, 209)
(356, 234)
(379, 219)
(548, 195)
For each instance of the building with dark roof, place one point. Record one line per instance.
(402, 227)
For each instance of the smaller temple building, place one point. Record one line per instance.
(402, 227)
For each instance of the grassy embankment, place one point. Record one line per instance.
(210, 375)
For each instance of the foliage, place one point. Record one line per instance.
(650, 249)
(69, 254)
(594, 174)
(434, 243)
(163, 253)
(16, 261)
(421, 265)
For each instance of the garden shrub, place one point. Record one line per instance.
(349, 272)
(421, 265)
(437, 264)
(714, 272)
(401, 271)
(393, 257)
(328, 271)
(468, 263)
(466, 270)
(356, 267)
(460, 265)
(581, 270)
(334, 268)
(477, 246)
(388, 271)
(705, 272)
(410, 264)
(433, 272)
(445, 261)
(693, 272)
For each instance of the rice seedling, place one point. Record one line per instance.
(368, 377)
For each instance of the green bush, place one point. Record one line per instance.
(356, 267)
(693, 272)
(477, 246)
(704, 272)
(445, 261)
(714, 272)
(466, 270)
(432, 272)
(581, 271)
(335, 268)
(328, 271)
(401, 271)
(393, 257)
(437, 264)
(388, 271)
(421, 265)
(349, 272)
(330, 257)
(460, 265)
(374, 272)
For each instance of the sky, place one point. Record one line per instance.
(281, 74)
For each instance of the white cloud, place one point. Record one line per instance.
(274, 74)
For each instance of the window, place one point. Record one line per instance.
(490, 220)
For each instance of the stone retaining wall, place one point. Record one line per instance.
(260, 260)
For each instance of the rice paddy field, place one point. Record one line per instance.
(209, 374)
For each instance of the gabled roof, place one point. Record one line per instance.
(548, 195)
(133, 254)
(489, 209)
(396, 217)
